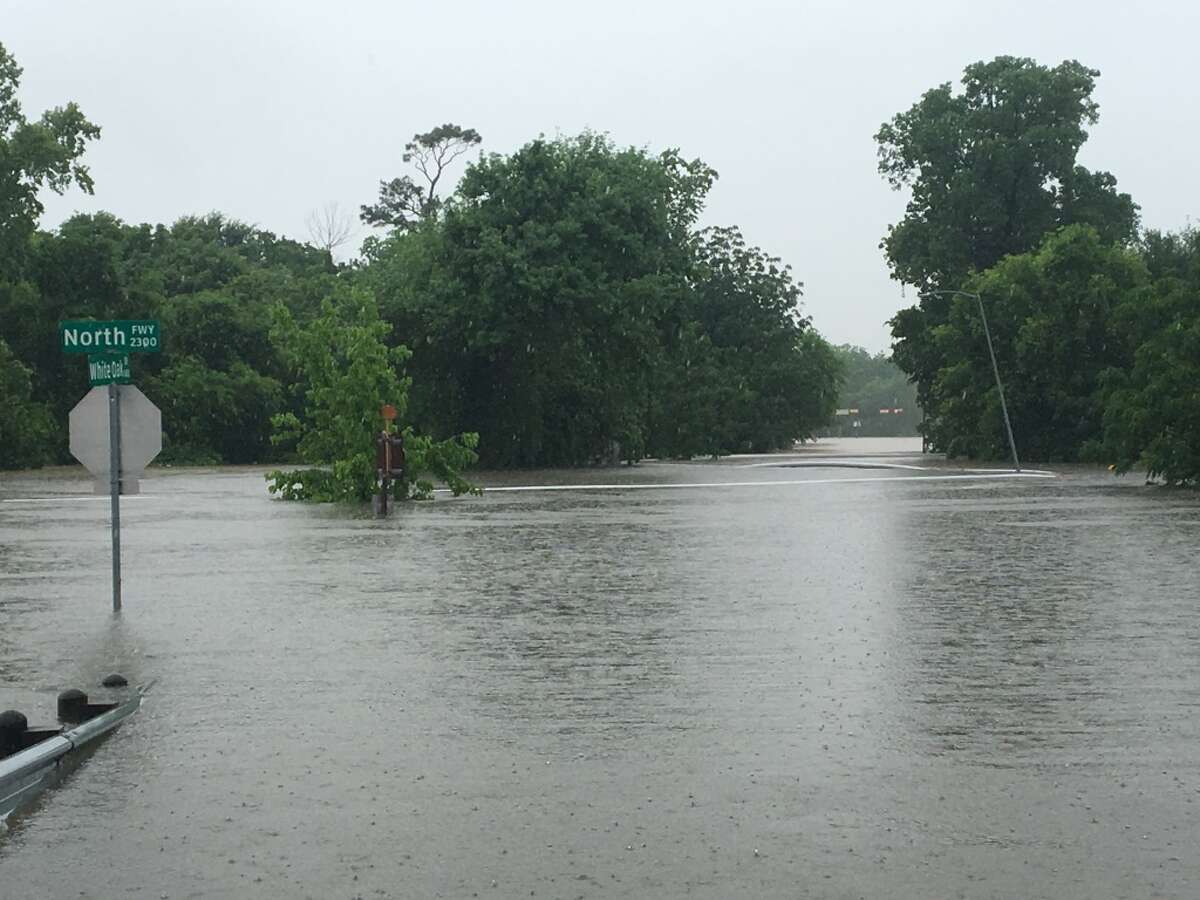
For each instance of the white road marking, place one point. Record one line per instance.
(838, 464)
(843, 463)
(723, 484)
(974, 475)
(124, 498)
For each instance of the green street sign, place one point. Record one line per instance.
(114, 337)
(109, 369)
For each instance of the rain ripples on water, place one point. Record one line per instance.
(985, 688)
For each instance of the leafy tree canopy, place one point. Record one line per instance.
(346, 373)
(1052, 314)
(561, 300)
(545, 281)
(210, 280)
(35, 155)
(993, 169)
(25, 424)
(772, 379)
(565, 307)
(1152, 408)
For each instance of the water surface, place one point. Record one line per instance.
(883, 687)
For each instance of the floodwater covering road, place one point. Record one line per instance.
(860, 684)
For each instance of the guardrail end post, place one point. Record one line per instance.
(72, 705)
(12, 729)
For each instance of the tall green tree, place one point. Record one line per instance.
(565, 306)
(45, 153)
(549, 275)
(991, 169)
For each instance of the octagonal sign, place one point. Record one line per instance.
(141, 434)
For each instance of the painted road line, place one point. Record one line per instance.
(844, 464)
(729, 484)
(1040, 472)
(872, 464)
(105, 498)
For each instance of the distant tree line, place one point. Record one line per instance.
(875, 398)
(1096, 324)
(557, 306)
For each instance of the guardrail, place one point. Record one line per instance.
(24, 773)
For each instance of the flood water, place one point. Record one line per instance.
(861, 684)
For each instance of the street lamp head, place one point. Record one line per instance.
(942, 293)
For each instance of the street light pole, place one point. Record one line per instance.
(1012, 444)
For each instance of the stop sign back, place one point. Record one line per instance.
(141, 434)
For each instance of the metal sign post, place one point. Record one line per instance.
(114, 486)
(389, 459)
(115, 433)
(108, 345)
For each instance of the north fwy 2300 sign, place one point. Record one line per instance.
(121, 336)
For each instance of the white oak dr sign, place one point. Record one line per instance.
(141, 435)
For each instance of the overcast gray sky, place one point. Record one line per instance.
(265, 109)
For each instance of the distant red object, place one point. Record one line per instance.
(388, 412)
